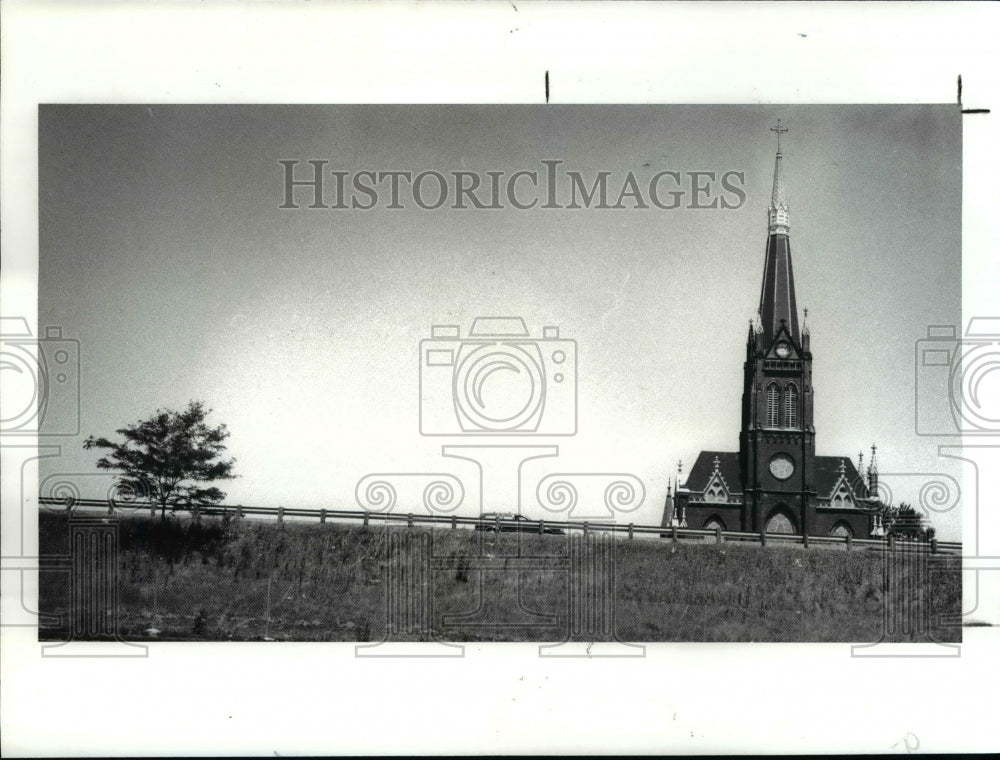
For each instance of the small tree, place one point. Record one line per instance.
(905, 521)
(170, 457)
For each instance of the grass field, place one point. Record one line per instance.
(254, 580)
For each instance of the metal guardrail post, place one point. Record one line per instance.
(196, 513)
(631, 531)
(718, 535)
(934, 548)
(454, 522)
(497, 522)
(541, 527)
(892, 542)
(239, 510)
(673, 534)
(152, 511)
(805, 540)
(322, 516)
(847, 541)
(281, 514)
(586, 527)
(763, 537)
(111, 507)
(365, 522)
(409, 520)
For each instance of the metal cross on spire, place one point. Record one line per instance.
(778, 130)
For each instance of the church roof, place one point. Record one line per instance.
(826, 472)
(704, 466)
(777, 293)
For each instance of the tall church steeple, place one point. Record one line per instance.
(783, 485)
(777, 440)
(777, 293)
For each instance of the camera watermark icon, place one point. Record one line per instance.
(497, 381)
(41, 380)
(957, 388)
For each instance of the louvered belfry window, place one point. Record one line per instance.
(791, 407)
(772, 406)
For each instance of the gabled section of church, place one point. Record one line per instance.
(842, 496)
(716, 491)
(784, 346)
(776, 483)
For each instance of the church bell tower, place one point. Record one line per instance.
(777, 437)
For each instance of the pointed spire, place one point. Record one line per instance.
(777, 294)
(669, 510)
(777, 213)
(805, 321)
(873, 475)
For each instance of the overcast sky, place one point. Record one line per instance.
(163, 250)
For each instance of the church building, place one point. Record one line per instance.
(775, 482)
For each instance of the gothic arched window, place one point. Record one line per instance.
(791, 406)
(714, 523)
(772, 405)
(842, 530)
(842, 497)
(779, 523)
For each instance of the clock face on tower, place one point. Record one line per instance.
(782, 466)
(783, 350)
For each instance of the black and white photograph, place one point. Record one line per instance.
(603, 411)
(490, 403)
